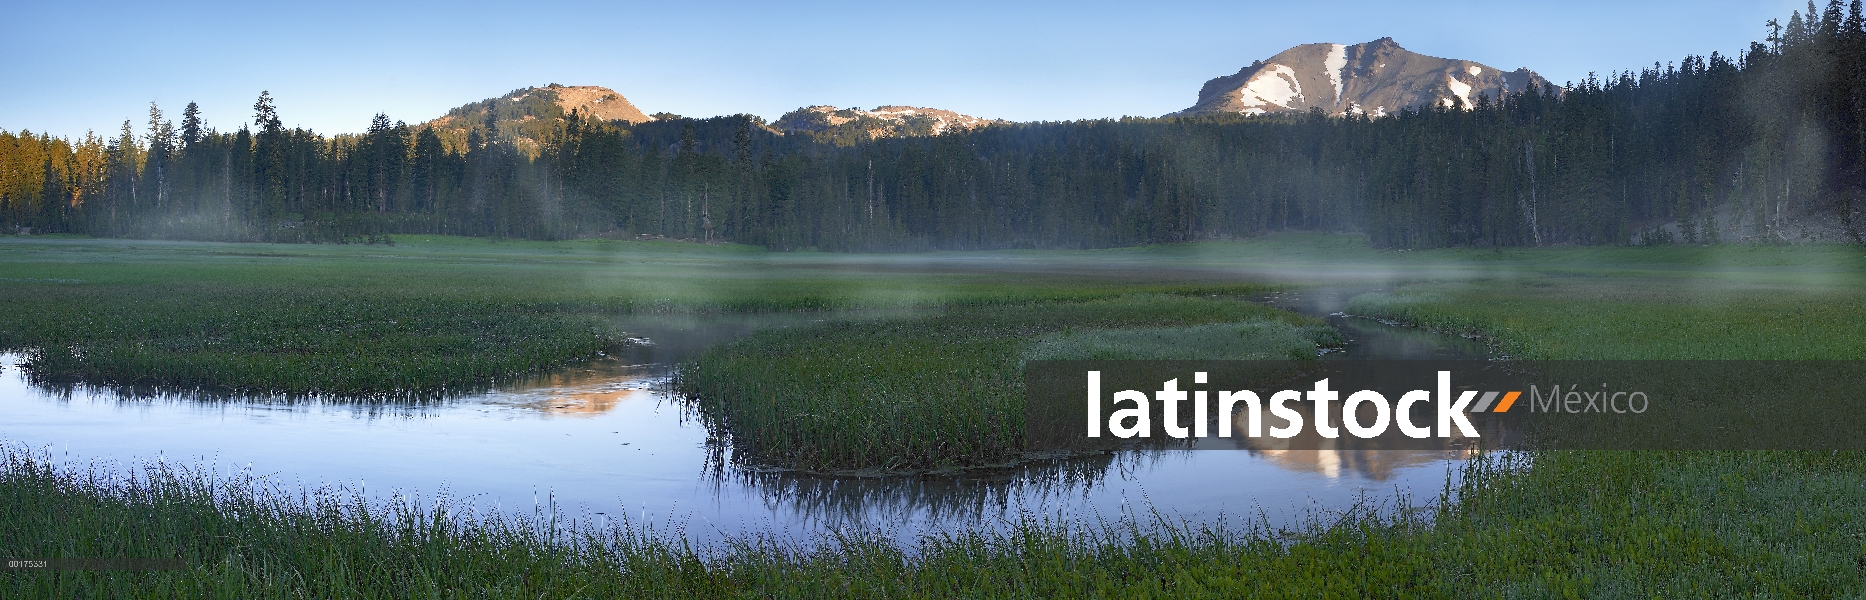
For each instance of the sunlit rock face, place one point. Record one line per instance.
(1373, 79)
(884, 121)
(593, 101)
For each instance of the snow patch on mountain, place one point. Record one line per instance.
(1460, 89)
(1337, 61)
(1270, 89)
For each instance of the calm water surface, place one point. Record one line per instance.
(601, 441)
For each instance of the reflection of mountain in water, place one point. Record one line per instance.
(587, 390)
(587, 403)
(1377, 465)
(1374, 459)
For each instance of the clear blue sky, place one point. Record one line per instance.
(78, 65)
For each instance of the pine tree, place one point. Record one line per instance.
(119, 201)
(265, 116)
(191, 125)
(1830, 21)
(271, 163)
(155, 166)
(491, 123)
(54, 198)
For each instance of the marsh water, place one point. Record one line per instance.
(602, 441)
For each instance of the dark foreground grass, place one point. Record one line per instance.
(946, 390)
(1575, 525)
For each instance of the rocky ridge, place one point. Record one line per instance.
(852, 124)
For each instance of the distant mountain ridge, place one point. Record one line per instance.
(847, 125)
(525, 116)
(1373, 78)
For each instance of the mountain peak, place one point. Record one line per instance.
(1374, 78)
(526, 115)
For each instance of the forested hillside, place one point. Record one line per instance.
(1767, 144)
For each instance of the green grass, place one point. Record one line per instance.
(1575, 525)
(946, 390)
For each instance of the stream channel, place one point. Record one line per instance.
(600, 442)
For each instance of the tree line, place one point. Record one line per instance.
(1705, 150)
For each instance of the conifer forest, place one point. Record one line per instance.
(1705, 150)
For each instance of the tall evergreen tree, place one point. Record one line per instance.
(265, 115)
(190, 125)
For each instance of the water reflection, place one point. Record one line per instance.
(1377, 459)
(603, 437)
(1378, 465)
(586, 390)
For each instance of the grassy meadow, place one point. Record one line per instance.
(946, 390)
(1549, 524)
(425, 317)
